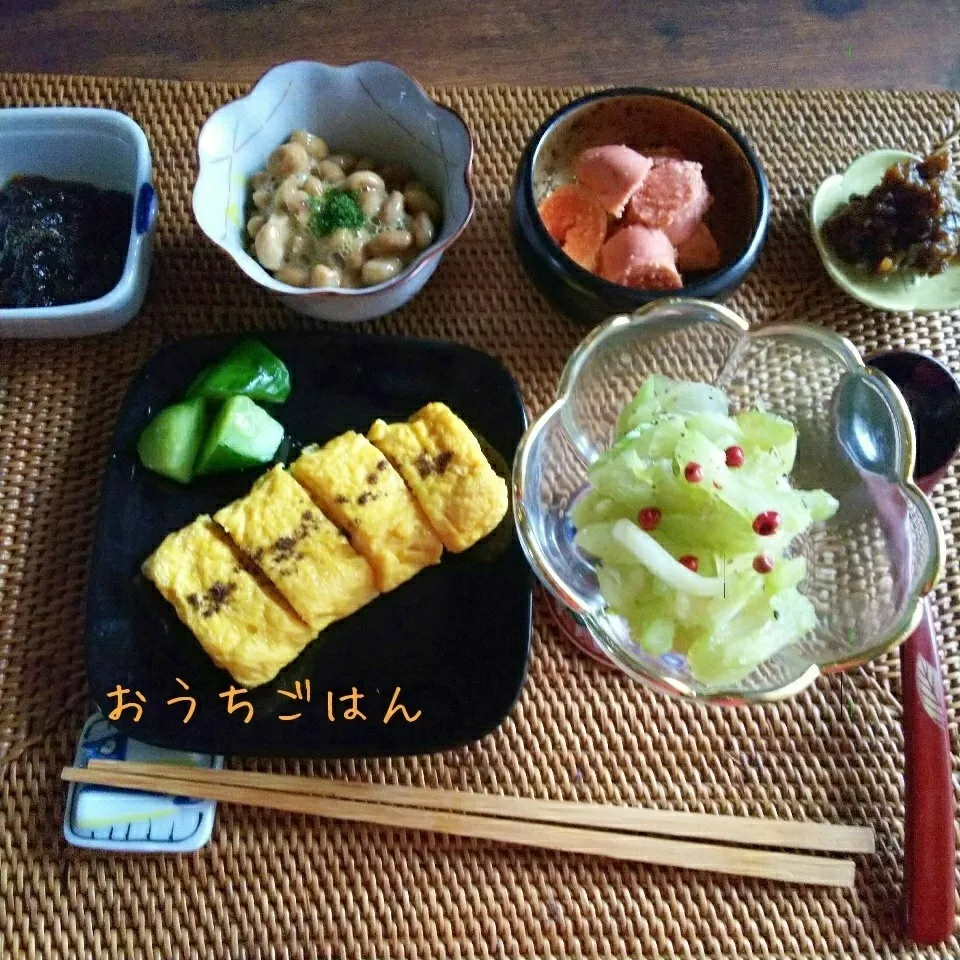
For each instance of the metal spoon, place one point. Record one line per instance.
(933, 396)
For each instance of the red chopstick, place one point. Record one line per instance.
(930, 852)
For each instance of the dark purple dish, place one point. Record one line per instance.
(933, 396)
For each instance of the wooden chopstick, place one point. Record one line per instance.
(763, 864)
(753, 831)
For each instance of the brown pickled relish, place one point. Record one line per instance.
(60, 242)
(909, 222)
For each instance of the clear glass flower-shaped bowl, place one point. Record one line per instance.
(869, 567)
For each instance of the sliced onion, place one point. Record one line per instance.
(661, 564)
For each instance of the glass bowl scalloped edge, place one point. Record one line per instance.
(903, 470)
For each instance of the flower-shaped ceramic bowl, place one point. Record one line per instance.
(868, 567)
(899, 291)
(368, 108)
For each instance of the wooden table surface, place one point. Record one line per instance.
(796, 43)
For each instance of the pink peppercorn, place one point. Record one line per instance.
(767, 523)
(649, 518)
(734, 456)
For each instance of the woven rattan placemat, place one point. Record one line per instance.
(277, 885)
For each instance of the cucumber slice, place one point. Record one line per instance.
(243, 435)
(725, 615)
(169, 443)
(656, 636)
(250, 369)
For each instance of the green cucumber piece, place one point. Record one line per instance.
(249, 370)
(242, 435)
(169, 443)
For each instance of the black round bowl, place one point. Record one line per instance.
(643, 118)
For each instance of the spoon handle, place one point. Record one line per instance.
(929, 843)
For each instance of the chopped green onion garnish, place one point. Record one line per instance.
(335, 210)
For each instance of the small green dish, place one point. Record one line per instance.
(896, 293)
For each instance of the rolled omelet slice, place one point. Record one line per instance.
(243, 625)
(303, 554)
(355, 486)
(443, 465)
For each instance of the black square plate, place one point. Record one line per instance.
(454, 639)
